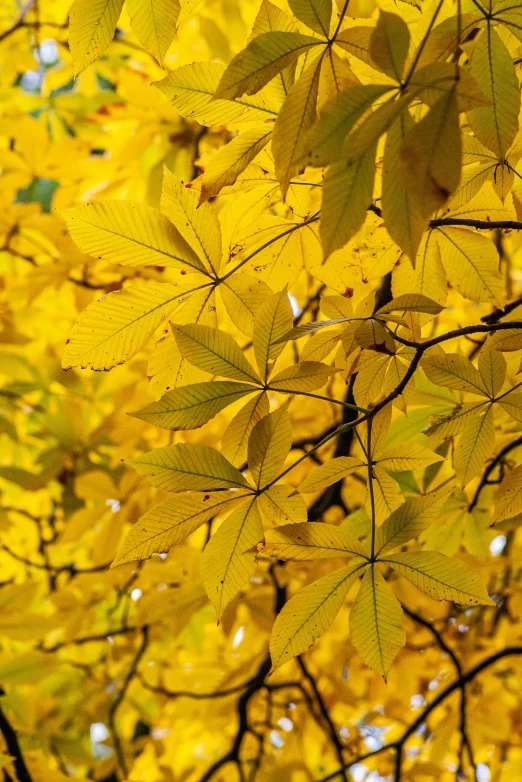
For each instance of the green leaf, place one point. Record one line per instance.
(310, 612)
(187, 467)
(229, 557)
(129, 233)
(440, 577)
(91, 28)
(311, 540)
(268, 446)
(214, 351)
(376, 623)
(192, 406)
(264, 57)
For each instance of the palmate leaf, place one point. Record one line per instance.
(243, 295)
(389, 44)
(297, 115)
(169, 523)
(92, 25)
(154, 24)
(199, 227)
(232, 159)
(376, 628)
(282, 505)
(187, 467)
(509, 497)
(310, 612)
(454, 371)
(229, 557)
(268, 446)
(129, 233)
(303, 377)
(492, 367)
(235, 439)
(113, 328)
(191, 89)
(316, 14)
(214, 351)
(496, 125)
(192, 406)
(475, 446)
(264, 57)
(332, 471)
(272, 321)
(311, 540)
(470, 262)
(440, 577)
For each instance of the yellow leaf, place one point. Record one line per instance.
(232, 159)
(492, 367)
(330, 472)
(387, 495)
(235, 440)
(389, 44)
(408, 521)
(191, 89)
(376, 623)
(214, 351)
(324, 140)
(282, 505)
(373, 335)
(411, 302)
(336, 76)
(356, 40)
(347, 194)
(272, 321)
(453, 371)
(112, 329)
(129, 233)
(264, 57)
(168, 369)
(492, 66)
(401, 214)
(440, 577)
(91, 27)
(310, 612)
(297, 115)
(512, 404)
(311, 540)
(475, 446)
(321, 345)
(169, 523)
(406, 456)
(229, 557)
(301, 378)
(154, 24)
(471, 262)
(457, 422)
(315, 14)
(508, 502)
(187, 467)
(199, 227)
(192, 406)
(268, 446)
(243, 295)
(430, 156)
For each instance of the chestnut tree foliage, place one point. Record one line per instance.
(261, 407)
